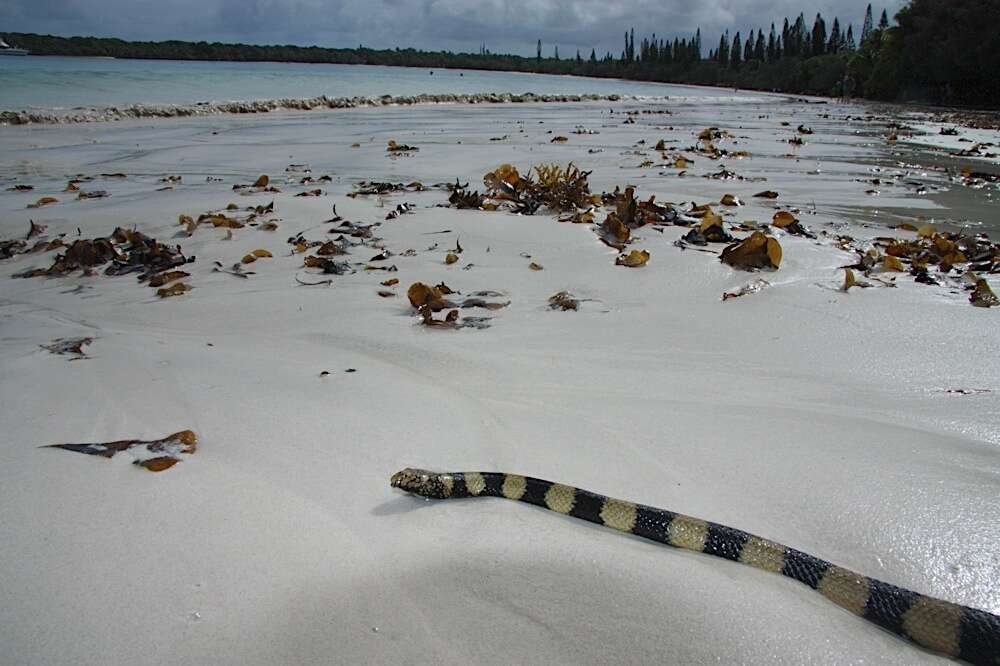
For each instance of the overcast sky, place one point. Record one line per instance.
(510, 26)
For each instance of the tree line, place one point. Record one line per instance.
(936, 52)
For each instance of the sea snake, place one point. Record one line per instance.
(956, 631)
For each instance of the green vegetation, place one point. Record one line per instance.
(938, 52)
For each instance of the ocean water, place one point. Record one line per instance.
(48, 82)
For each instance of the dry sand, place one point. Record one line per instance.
(813, 417)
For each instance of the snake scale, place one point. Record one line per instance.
(956, 631)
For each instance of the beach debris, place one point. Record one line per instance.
(66, 346)
(93, 194)
(548, 185)
(613, 232)
(767, 194)
(892, 264)
(422, 295)
(749, 288)
(563, 300)
(127, 251)
(849, 280)
(450, 258)
(391, 282)
(317, 283)
(310, 193)
(460, 198)
(155, 455)
(21, 188)
(44, 201)
(559, 139)
(784, 220)
(368, 188)
(400, 209)
(965, 391)
(536, 266)
(385, 293)
(710, 230)
(255, 255)
(175, 289)
(262, 181)
(236, 270)
(161, 279)
(327, 249)
(399, 148)
(35, 229)
(328, 266)
(982, 296)
(633, 259)
(759, 251)
(730, 200)
(451, 320)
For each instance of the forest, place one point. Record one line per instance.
(935, 52)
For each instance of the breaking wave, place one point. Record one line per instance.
(139, 111)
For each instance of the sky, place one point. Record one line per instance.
(505, 26)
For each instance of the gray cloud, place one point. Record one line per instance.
(457, 25)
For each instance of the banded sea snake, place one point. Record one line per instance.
(956, 631)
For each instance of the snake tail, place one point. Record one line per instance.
(956, 631)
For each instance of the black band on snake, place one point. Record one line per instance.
(956, 631)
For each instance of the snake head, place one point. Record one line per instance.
(421, 482)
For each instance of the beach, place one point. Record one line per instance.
(859, 426)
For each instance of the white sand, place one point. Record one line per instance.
(812, 417)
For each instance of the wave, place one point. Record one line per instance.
(139, 111)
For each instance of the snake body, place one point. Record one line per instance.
(956, 631)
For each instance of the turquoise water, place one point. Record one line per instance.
(37, 82)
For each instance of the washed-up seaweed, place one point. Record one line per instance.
(563, 300)
(749, 288)
(982, 296)
(421, 295)
(328, 266)
(633, 259)
(68, 346)
(155, 455)
(400, 209)
(451, 320)
(126, 251)
(368, 188)
(759, 251)
(789, 223)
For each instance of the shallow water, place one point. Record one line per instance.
(49, 82)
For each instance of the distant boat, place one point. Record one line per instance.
(7, 49)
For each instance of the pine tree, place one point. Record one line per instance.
(697, 45)
(723, 52)
(593, 55)
(736, 52)
(771, 45)
(800, 37)
(759, 50)
(869, 25)
(849, 44)
(786, 34)
(578, 58)
(883, 22)
(748, 48)
(631, 46)
(539, 56)
(818, 46)
(835, 45)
